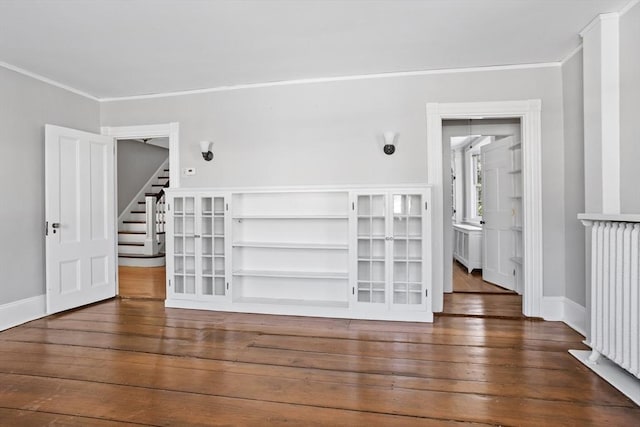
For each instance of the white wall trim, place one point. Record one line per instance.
(597, 20)
(552, 309)
(562, 309)
(47, 80)
(529, 113)
(575, 316)
(572, 53)
(628, 7)
(335, 79)
(22, 311)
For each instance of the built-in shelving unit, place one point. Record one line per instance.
(516, 209)
(348, 253)
(299, 238)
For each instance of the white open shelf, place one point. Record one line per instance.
(284, 216)
(292, 302)
(291, 245)
(333, 275)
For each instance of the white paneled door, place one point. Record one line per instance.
(496, 214)
(80, 218)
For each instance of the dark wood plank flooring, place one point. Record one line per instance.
(142, 282)
(135, 362)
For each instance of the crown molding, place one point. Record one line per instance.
(334, 79)
(47, 80)
(571, 54)
(628, 7)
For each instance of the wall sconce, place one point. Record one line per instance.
(205, 148)
(390, 142)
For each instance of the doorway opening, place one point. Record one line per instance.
(529, 113)
(146, 158)
(483, 239)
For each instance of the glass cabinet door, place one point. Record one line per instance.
(184, 246)
(212, 256)
(371, 249)
(406, 284)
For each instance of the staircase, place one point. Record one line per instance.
(141, 237)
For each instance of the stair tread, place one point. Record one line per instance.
(160, 255)
(133, 222)
(138, 212)
(130, 244)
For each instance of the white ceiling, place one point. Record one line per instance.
(113, 48)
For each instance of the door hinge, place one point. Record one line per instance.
(426, 292)
(425, 206)
(46, 228)
(514, 271)
(169, 282)
(353, 206)
(227, 285)
(227, 206)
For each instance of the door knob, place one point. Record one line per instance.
(481, 222)
(55, 225)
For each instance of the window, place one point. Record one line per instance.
(476, 172)
(473, 179)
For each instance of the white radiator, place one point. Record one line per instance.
(615, 296)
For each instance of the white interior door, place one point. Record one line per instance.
(496, 213)
(80, 215)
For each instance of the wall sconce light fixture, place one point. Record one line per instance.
(205, 148)
(390, 142)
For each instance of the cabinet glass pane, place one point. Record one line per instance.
(178, 205)
(178, 263)
(207, 266)
(218, 226)
(189, 205)
(364, 205)
(415, 272)
(399, 204)
(190, 245)
(179, 285)
(178, 225)
(400, 271)
(219, 266)
(399, 249)
(189, 225)
(377, 249)
(178, 245)
(218, 246)
(377, 205)
(219, 288)
(415, 205)
(400, 226)
(415, 249)
(206, 203)
(218, 205)
(207, 227)
(364, 270)
(364, 227)
(415, 227)
(207, 246)
(377, 271)
(364, 248)
(377, 227)
(189, 284)
(207, 286)
(190, 265)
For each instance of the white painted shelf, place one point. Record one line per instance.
(515, 171)
(292, 302)
(292, 245)
(333, 275)
(345, 217)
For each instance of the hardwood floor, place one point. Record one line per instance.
(135, 362)
(474, 297)
(142, 282)
(472, 282)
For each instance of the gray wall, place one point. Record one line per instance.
(137, 162)
(325, 133)
(26, 105)
(630, 111)
(573, 114)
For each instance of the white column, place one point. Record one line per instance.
(601, 49)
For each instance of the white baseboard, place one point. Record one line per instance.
(553, 308)
(564, 310)
(22, 311)
(575, 316)
(612, 373)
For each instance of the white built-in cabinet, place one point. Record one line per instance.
(351, 253)
(516, 217)
(467, 245)
(197, 248)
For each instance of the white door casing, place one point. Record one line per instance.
(529, 112)
(79, 210)
(497, 238)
